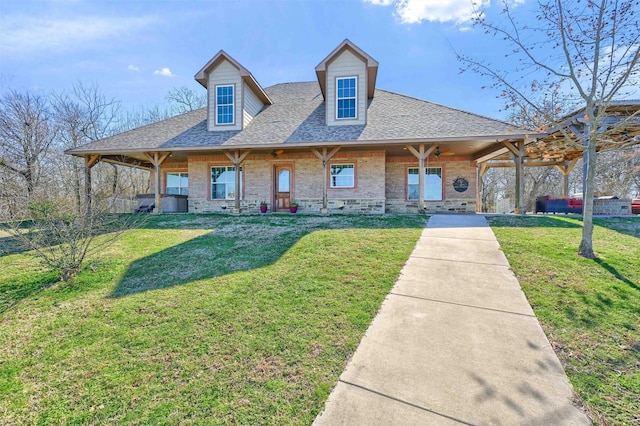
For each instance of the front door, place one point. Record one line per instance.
(283, 188)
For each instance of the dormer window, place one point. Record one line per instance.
(224, 105)
(346, 97)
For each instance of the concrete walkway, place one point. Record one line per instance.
(455, 342)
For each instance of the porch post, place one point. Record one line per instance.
(325, 179)
(421, 154)
(158, 198)
(481, 169)
(237, 159)
(89, 162)
(156, 159)
(325, 157)
(421, 178)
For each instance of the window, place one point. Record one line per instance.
(342, 176)
(346, 97)
(224, 105)
(432, 183)
(178, 183)
(223, 185)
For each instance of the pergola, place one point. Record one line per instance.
(620, 128)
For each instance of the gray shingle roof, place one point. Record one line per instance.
(298, 116)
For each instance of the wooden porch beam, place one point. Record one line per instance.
(157, 158)
(237, 158)
(91, 160)
(158, 199)
(421, 154)
(483, 168)
(325, 156)
(510, 146)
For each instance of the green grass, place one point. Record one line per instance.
(589, 309)
(197, 320)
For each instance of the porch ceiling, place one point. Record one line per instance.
(458, 148)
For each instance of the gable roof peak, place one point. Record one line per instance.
(202, 76)
(370, 63)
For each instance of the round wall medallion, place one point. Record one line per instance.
(461, 184)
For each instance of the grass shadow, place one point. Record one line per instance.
(13, 292)
(628, 225)
(534, 221)
(234, 243)
(613, 271)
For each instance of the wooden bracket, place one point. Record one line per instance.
(236, 158)
(91, 160)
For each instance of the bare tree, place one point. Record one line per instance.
(590, 54)
(184, 99)
(84, 115)
(27, 132)
(63, 239)
(619, 172)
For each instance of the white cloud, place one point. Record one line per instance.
(28, 34)
(133, 68)
(416, 11)
(165, 72)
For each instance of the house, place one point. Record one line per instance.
(338, 144)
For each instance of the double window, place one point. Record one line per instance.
(178, 183)
(224, 104)
(342, 176)
(223, 183)
(432, 183)
(346, 98)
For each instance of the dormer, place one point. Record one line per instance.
(347, 79)
(234, 96)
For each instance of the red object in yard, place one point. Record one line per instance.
(635, 206)
(575, 203)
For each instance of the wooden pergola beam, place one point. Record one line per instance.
(525, 164)
(565, 168)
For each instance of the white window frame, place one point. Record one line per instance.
(180, 187)
(332, 175)
(354, 97)
(426, 183)
(232, 104)
(231, 170)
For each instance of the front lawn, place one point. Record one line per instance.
(197, 320)
(589, 309)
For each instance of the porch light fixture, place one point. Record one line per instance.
(274, 154)
(437, 153)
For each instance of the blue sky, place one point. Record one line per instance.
(138, 50)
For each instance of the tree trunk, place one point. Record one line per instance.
(586, 245)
